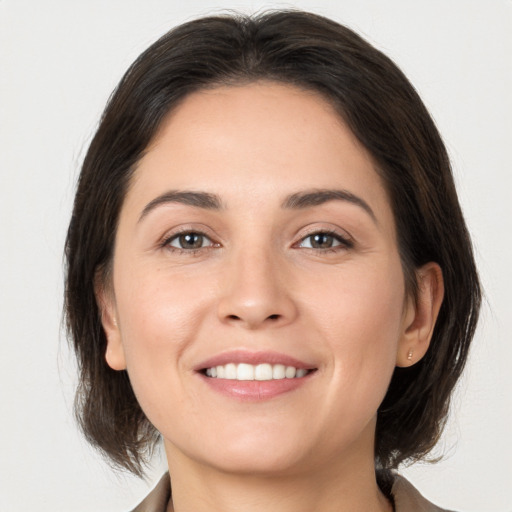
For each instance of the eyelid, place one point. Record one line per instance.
(345, 240)
(181, 230)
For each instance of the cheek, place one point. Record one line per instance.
(158, 308)
(360, 316)
(159, 317)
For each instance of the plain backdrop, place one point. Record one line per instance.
(59, 61)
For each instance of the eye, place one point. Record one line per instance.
(190, 240)
(324, 240)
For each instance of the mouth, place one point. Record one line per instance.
(254, 376)
(260, 372)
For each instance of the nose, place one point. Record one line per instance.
(256, 291)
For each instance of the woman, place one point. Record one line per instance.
(268, 268)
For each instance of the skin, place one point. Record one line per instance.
(257, 283)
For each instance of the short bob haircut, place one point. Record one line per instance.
(380, 106)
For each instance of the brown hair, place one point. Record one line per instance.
(385, 113)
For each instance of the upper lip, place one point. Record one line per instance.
(254, 358)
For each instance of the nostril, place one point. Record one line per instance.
(253, 319)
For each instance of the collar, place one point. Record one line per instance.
(406, 496)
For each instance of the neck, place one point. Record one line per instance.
(339, 488)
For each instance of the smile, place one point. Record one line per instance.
(261, 372)
(255, 376)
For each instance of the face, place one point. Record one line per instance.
(257, 299)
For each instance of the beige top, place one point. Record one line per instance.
(407, 498)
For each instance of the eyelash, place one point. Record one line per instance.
(166, 243)
(344, 242)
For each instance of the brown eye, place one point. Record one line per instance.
(324, 240)
(189, 241)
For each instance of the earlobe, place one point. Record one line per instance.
(114, 354)
(421, 315)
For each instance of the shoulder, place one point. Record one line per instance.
(158, 498)
(408, 498)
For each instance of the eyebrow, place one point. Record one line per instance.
(316, 197)
(203, 200)
(297, 201)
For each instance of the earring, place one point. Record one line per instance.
(409, 355)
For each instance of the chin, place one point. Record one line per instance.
(262, 462)
(266, 451)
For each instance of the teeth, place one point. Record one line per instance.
(290, 372)
(278, 371)
(245, 372)
(265, 371)
(230, 372)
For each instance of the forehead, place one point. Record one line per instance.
(262, 117)
(265, 138)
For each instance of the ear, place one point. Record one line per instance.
(114, 354)
(420, 315)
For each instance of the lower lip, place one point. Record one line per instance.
(255, 390)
